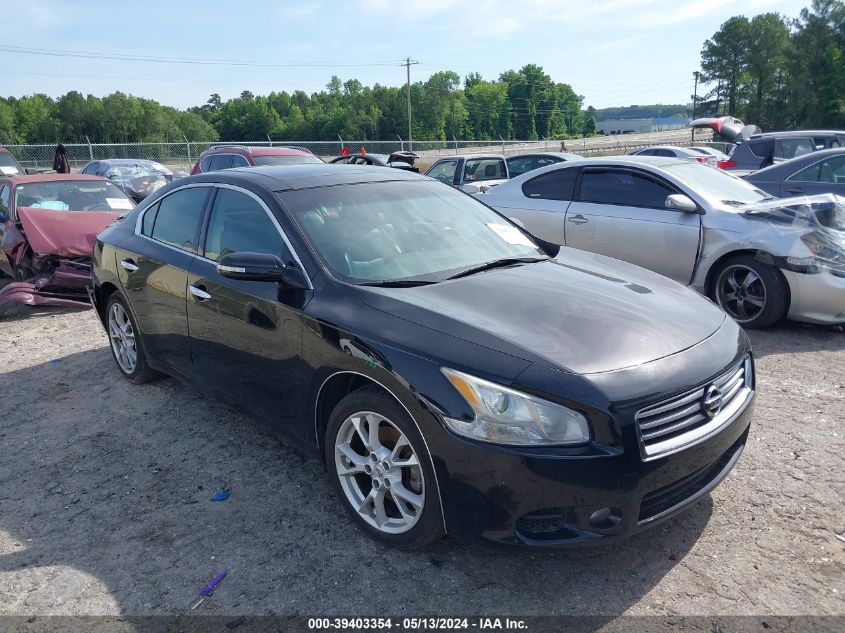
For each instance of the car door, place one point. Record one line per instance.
(621, 212)
(825, 176)
(542, 206)
(153, 268)
(6, 221)
(246, 336)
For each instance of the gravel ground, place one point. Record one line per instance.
(104, 506)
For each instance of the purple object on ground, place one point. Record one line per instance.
(206, 591)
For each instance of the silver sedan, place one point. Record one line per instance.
(760, 258)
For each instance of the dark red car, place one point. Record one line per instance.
(229, 156)
(48, 224)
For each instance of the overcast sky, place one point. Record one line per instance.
(613, 52)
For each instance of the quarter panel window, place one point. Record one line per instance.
(554, 185)
(239, 224)
(627, 188)
(149, 220)
(178, 218)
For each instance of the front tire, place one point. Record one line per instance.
(379, 466)
(126, 343)
(751, 291)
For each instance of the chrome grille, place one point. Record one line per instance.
(669, 426)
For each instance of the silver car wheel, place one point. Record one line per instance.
(379, 472)
(122, 337)
(741, 292)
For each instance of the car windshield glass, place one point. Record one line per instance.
(285, 160)
(137, 170)
(8, 166)
(390, 231)
(73, 195)
(715, 184)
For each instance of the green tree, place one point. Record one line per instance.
(724, 59)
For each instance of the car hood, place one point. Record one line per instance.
(580, 313)
(64, 233)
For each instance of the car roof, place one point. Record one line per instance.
(631, 160)
(125, 161)
(307, 176)
(23, 179)
(257, 150)
(799, 133)
(566, 155)
(473, 156)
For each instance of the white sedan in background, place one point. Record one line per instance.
(760, 258)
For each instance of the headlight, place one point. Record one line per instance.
(506, 416)
(828, 253)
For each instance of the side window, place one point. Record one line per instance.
(484, 169)
(646, 152)
(833, 170)
(543, 161)
(609, 186)
(239, 224)
(178, 217)
(90, 168)
(787, 148)
(205, 163)
(220, 161)
(239, 161)
(554, 185)
(808, 174)
(149, 220)
(5, 200)
(444, 171)
(519, 165)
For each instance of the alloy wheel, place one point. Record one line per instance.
(122, 337)
(741, 292)
(379, 472)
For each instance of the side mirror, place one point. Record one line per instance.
(680, 202)
(470, 188)
(259, 267)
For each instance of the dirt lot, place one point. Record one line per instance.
(104, 506)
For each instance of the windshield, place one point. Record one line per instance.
(72, 195)
(8, 165)
(403, 230)
(127, 171)
(478, 169)
(285, 160)
(715, 184)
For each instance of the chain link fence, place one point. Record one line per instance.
(181, 156)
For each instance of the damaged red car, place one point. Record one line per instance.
(48, 224)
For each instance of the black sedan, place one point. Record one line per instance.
(454, 376)
(814, 173)
(399, 160)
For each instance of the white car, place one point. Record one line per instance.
(760, 258)
(684, 153)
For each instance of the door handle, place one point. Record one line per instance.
(199, 292)
(577, 219)
(129, 265)
(795, 190)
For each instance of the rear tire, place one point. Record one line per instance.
(380, 468)
(752, 292)
(126, 343)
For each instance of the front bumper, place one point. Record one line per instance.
(818, 298)
(545, 498)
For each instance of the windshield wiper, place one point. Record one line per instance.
(398, 283)
(497, 263)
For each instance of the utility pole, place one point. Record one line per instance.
(696, 74)
(408, 63)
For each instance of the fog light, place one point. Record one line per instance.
(605, 519)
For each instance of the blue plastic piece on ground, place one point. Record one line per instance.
(220, 496)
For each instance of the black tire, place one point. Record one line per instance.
(766, 284)
(141, 372)
(429, 525)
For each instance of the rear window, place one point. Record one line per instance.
(286, 160)
(220, 161)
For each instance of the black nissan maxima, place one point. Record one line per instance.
(456, 375)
